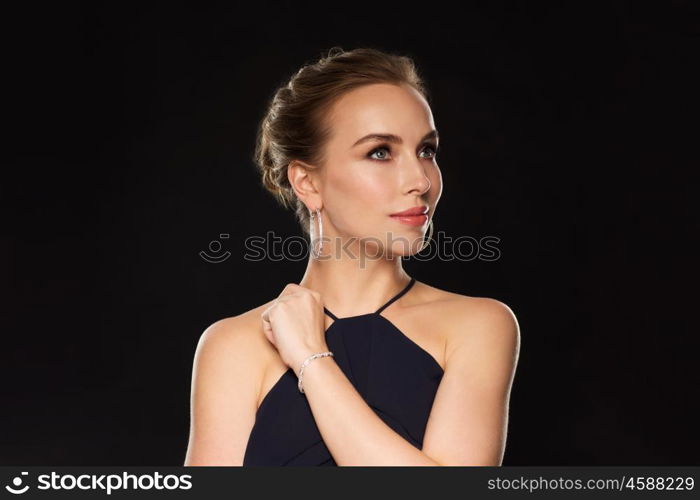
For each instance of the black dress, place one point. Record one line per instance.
(395, 376)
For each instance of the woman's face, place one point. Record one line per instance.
(366, 179)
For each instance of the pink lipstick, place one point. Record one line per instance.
(414, 216)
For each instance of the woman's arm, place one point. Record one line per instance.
(469, 418)
(225, 391)
(467, 424)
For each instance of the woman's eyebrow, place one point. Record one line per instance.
(395, 139)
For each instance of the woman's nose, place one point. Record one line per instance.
(417, 179)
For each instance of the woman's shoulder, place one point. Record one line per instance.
(467, 318)
(240, 327)
(457, 302)
(241, 336)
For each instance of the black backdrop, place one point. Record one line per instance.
(569, 132)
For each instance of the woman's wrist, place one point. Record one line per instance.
(299, 358)
(305, 366)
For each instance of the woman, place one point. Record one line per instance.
(358, 364)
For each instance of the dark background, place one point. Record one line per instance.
(569, 132)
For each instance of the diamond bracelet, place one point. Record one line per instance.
(309, 360)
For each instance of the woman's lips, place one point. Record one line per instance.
(411, 220)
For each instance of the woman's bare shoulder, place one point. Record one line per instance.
(242, 332)
(436, 297)
(237, 345)
(228, 369)
(466, 317)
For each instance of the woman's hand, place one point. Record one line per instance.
(295, 325)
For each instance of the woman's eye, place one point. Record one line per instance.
(371, 153)
(383, 152)
(431, 148)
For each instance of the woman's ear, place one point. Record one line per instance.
(304, 182)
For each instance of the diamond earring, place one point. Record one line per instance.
(426, 242)
(316, 215)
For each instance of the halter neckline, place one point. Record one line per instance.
(387, 304)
